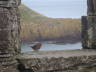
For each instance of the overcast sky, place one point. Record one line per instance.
(58, 8)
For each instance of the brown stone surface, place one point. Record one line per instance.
(9, 31)
(60, 61)
(8, 69)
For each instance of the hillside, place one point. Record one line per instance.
(37, 27)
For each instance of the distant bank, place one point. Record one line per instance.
(37, 27)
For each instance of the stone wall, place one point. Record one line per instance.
(9, 32)
(59, 61)
(89, 26)
(61, 64)
(55, 61)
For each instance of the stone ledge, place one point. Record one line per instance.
(60, 61)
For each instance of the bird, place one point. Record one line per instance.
(36, 47)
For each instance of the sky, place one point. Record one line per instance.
(58, 8)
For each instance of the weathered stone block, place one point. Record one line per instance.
(91, 7)
(92, 32)
(9, 31)
(89, 32)
(84, 32)
(10, 3)
(59, 61)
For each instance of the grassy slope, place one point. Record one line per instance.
(38, 27)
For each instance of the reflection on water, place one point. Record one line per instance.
(48, 47)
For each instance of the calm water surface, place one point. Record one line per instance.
(52, 47)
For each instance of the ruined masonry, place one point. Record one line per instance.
(44, 61)
(89, 26)
(9, 32)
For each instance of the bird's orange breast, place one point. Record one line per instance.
(36, 47)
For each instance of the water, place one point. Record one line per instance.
(52, 47)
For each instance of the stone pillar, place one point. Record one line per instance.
(9, 31)
(89, 36)
(91, 7)
(92, 32)
(84, 32)
(91, 23)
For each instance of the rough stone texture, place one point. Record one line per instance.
(84, 32)
(89, 26)
(10, 3)
(9, 31)
(88, 32)
(8, 69)
(91, 7)
(59, 61)
(92, 32)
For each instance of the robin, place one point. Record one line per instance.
(36, 47)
